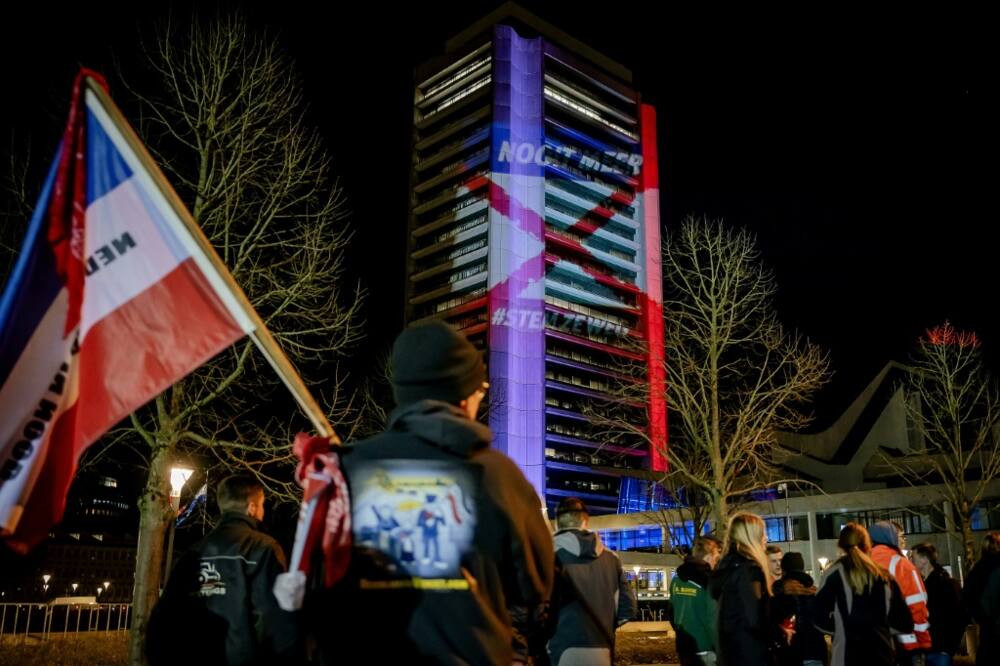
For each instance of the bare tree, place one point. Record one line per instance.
(954, 407)
(16, 204)
(227, 126)
(735, 376)
(684, 505)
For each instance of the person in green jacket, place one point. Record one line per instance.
(693, 609)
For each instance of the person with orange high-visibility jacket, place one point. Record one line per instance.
(886, 553)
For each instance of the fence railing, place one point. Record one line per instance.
(37, 622)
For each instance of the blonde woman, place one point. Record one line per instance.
(861, 605)
(741, 584)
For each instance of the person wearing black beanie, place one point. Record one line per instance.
(452, 559)
(433, 361)
(795, 593)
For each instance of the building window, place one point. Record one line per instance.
(641, 538)
(918, 520)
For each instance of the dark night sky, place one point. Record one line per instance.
(858, 147)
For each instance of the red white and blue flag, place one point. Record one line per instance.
(111, 301)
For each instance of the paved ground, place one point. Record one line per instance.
(652, 647)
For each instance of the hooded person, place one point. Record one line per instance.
(592, 596)
(886, 553)
(452, 560)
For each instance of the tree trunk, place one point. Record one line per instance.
(968, 540)
(154, 518)
(720, 515)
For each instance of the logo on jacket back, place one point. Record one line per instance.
(210, 580)
(419, 514)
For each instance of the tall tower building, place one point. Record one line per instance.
(534, 227)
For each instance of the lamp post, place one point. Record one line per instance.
(178, 477)
(45, 584)
(74, 586)
(822, 563)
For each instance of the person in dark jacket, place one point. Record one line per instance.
(692, 609)
(796, 591)
(475, 588)
(982, 600)
(741, 585)
(944, 606)
(591, 597)
(218, 599)
(861, 605)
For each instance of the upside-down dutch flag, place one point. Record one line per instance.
(111, 301)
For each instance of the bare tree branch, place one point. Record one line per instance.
(735, 375)
(953, 404)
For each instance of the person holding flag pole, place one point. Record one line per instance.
(116, 295)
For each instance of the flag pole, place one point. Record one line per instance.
(260, 335)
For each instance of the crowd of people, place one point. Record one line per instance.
(749, 604)
(454, 563)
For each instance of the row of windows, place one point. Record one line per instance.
(564, 164)
(642, 495)
(607, 161)
(595, 198)
(457, 167)
(604, 487)
(568, 430)
(577, 214)
(986, 517)
(617, 102)
(587, 111)
(459, 75)
(107, 503)
(589, 286)
(458, 228)
(580, 308)
(459, 95)
(595, 266)
(589, 240)
(466, 272)
(455, 143)
(448, 206)
(919, 520)
(632, 539)
(441, 306)
(581, 458)
(554, 401)
(445, 192)
(576, 380)
(583, 357)
(787, 528)
(471, 320)
(460, 251)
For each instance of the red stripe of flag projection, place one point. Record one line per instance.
(521, 271)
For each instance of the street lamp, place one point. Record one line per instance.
(822, 563)
(74, 586)
(106, 585)
(178, 477)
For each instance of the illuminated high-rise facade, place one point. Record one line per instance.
(534, 227)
